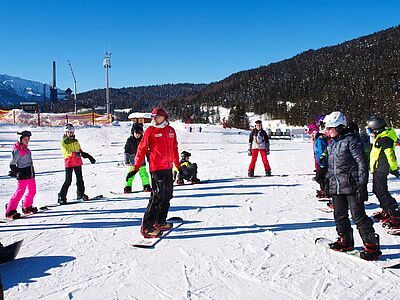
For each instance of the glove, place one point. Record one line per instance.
(395, 173)
(362, 192)
(249, 152)
(131, 173)
(87, 155)
(13, 171)
(322, 159)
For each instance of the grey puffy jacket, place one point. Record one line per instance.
(347, 164)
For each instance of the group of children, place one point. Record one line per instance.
(21, 167)
(158, 144)
(342, 172)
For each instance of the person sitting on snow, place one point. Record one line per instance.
(188, 170)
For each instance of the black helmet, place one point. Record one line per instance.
(376, 123)
(24, 133)
(137, 127)
(185, 154)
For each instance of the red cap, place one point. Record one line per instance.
(158, 111)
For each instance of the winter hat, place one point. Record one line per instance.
(24, 134)
(312, 128)
(185, 154)
(137, 127)
(158, 111)
(258, 122)
(335, 119)
(69, 128)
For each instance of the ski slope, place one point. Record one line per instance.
(242, 238)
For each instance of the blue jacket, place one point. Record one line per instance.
(320, 146)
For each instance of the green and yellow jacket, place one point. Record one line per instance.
(383, 156)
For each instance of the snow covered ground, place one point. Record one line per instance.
(242, 238)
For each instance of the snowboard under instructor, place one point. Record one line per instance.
(160, 141)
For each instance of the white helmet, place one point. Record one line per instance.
(69, 128)
(335, 119)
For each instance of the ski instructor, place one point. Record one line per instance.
(160, 141)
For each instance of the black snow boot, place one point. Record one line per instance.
(268, 173)
(30, 210)
(61, 200)
(344, 242)
(371, 251)
(127, 189)
(13, 215)
(250, 173)
(147, 188)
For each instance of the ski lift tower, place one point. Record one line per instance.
(73, 76)
(107, 65)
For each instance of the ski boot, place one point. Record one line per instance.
(83, 198)
(371, 251)
(195, 180)
(147, 188)
(127, 189)
(29, 210)
(268, 173)
(391, 223)
(330, 204)
(250, 173)
(150, 233)
(180, 182)
(164, 227)
(344, 242)
(381, 216)
(61, 201)
(13, 215)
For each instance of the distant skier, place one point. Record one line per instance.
(131, 146)
(21, 166)
(188, 170)
(258, 143)
(161, 142)
(347, 184)
(382, 162)
(73, 154)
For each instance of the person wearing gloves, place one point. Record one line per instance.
(382, 162)
(258, 143)
(347, 179)
(131, 146)
(21, 166)
(188, 170)
(160, 141)
(72, 152)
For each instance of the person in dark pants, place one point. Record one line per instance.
(382, 162)
(188, 170)
(160, 141)
(347, 179)
(73, 154)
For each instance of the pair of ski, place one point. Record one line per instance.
(152, 242)
(47, 207)
(385, 264)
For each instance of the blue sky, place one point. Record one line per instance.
(156, 42)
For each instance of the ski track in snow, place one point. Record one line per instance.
(242, 238)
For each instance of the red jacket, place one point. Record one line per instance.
(162, 146)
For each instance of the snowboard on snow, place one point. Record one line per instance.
(8, 253)
(385, 264)
(46, 207)
(152, 242)
(24, 216)
(190, 183)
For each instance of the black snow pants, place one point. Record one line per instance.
(341, 205)
(380, 189)
(188, 173)
(80, 185)
(161, 193)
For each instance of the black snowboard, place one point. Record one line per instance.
(9, 252)
(71, 202)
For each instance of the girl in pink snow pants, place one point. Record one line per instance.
(21, 166)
